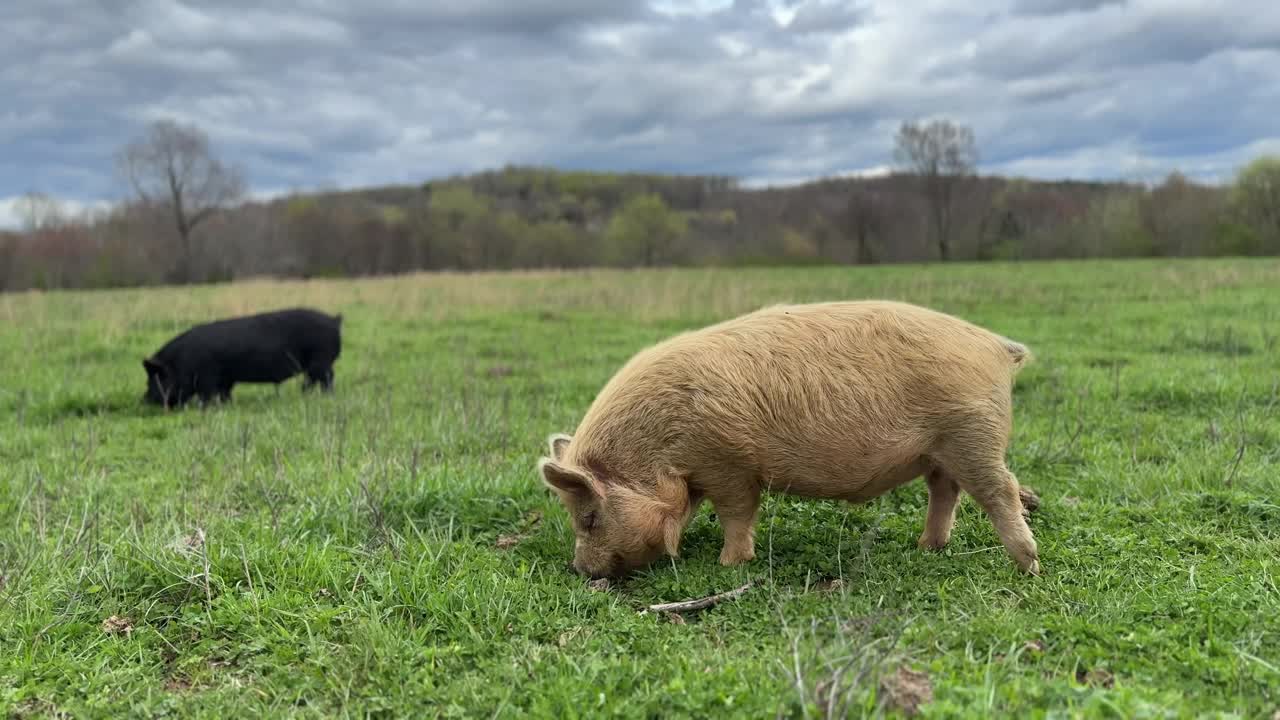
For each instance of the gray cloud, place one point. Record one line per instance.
(1123, 37)
(826, 16)
(1059, 7)
(530, 16)
(320, 92)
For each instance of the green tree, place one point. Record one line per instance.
(1256, 193)
(461, 225)
(646, 232)
(553, 244)
(1119, 222)
(457, 204)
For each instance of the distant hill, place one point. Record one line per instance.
(529, 217)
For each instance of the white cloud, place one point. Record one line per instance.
(13, 214)
(786, 181)
(1124, 160)
(9, 218)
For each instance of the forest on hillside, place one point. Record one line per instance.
(933, 207)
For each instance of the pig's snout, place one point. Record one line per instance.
(593, 574)
(609, 569)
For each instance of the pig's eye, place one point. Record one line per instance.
(589, 522)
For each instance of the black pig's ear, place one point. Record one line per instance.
(152, 366)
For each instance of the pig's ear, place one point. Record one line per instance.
(673, 492)
(152, 366)
(567, 480)
(558, 442)
(671, 536)
(673, 496)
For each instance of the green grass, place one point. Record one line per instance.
(338, 556)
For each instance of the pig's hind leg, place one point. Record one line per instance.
(975, 461)
(995, 489)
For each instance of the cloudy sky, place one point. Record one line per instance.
(312, 93)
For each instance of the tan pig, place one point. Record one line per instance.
(839, 400)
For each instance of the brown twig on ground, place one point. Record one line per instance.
(700, 603)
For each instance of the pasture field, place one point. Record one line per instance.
(389, 551)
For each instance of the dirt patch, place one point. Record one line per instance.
(906, 690)
(527, 528)
(116, 625)
(830, 585)
(190, 543)
(501, 371)
(1097, 677)
(568, 636)
(178, 684)
(506, 542)
(600, 585)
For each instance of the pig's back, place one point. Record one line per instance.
(801, 390)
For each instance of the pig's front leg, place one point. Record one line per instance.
(940, 518)
(737, 513)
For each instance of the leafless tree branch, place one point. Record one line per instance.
(942, 153)
(172, 165)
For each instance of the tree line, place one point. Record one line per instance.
(187, 219)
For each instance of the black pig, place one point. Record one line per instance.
(208, 360)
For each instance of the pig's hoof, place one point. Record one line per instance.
(736, 557)
(928, 542)
(1032, 568)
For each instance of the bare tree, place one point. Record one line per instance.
(943, 154)
(865, 216)
(171, 166)
(39, 211)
